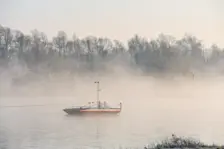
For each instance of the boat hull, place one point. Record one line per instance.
(92, 111)
(72, 110)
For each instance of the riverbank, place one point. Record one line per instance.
(182, 142)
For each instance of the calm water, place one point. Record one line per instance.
(147, 116)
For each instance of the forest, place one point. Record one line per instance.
(165, 54)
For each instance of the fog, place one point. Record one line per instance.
(166, 86)
(153, 108)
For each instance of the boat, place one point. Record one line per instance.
(97, 107)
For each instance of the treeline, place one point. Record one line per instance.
(164, 54)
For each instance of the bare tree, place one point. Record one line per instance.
(60, 42)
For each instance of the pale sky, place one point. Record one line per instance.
(117, 19)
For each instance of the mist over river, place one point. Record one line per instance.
(152, 110)
(164, 60)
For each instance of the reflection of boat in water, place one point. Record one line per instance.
(94, 107)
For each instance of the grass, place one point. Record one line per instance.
(182, 142)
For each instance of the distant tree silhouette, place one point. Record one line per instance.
(163, 54)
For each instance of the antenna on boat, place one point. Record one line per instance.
(98, 90)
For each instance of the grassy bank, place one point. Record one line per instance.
(182, 142)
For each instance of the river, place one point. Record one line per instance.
(151, 112)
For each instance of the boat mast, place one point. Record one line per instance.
(98, 90)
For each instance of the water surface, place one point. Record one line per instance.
(151, 111)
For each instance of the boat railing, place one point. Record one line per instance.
(103, 105)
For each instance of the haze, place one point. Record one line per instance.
(167, 85)
(152, 110)
(117, 19)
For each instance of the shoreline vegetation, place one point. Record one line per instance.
(37, 55)
(182, 142)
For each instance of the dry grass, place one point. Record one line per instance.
(182, 142)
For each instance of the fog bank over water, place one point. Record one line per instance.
(167, 86)
(153, 108)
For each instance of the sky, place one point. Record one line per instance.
(117, 19)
